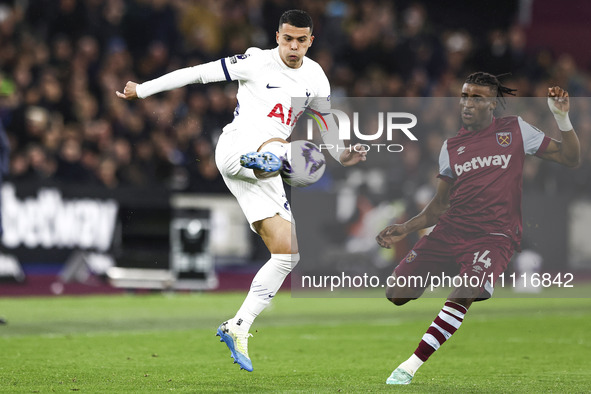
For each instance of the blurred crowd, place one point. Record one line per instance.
(62, 61)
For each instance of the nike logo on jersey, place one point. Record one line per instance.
(271, 87)
(480, 162)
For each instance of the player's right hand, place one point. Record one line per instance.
(390, 235)
(350, 157)
(558, 101)
(129, 92)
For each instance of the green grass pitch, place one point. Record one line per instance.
(157, 343)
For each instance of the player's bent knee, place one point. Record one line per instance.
(400, 301)
(395, 298)
(285, 262)
(278, 234)
(280, 140)
(401, 295)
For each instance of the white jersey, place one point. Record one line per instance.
(271, 97)
(266, 88)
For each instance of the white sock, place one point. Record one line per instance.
(412, 364)
(264, 286)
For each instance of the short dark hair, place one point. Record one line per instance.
(485, 79)
(296, 18)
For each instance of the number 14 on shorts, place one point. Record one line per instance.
(481, 257)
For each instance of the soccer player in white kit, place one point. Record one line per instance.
(264, 118)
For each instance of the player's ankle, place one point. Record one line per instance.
(412, 364)
(238, 325)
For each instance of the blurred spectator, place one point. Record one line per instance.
(69, 163)
(202, 167)
(4, 161)
(61, 61)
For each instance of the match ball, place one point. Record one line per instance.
(304, 165)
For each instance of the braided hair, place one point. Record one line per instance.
(485, 79)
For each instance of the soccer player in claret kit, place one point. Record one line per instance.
(254, 144)
(476, 207)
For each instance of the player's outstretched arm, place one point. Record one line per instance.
(567, 151)
(203, 73)
(427, 218)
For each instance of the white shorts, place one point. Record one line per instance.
(258, 198)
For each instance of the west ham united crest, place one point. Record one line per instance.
(411, 256)
(504, 138)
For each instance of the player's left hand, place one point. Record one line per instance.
(558, 100)
(390, 235)
(129, 92)
(352, 156)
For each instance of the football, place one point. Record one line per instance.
(304, 165)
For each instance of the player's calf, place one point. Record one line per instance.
(445, 324)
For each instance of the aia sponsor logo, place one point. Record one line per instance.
(284, 115)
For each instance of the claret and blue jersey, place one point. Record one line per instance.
(485, 168)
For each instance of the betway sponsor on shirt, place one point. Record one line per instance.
(480, 162)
